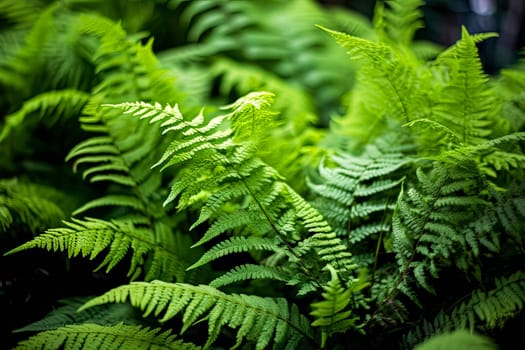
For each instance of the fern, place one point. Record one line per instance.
(426, 221)
(262, 321)
(125, 161)
(291, 130)
(329, 312)
(239, 31)
(484, 309)
(94, 336)
(50, 106)
(393, 75)
(67, 314)
(467, 106)
(250, 272)
(291, 220)
(90, 237)
(402, 19)
(355, 189)
(236, 174)
(458, 340)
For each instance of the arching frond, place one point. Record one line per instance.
(262, 321)
(92, 335)
(231, 173)
(48, 106)
(122, 155)
(467, 104)
(251, 272)
(89, 238)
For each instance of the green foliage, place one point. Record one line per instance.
(484, 309)
(90, 237)
(329, 312)
(93, 336)
(231, 177)
(260, 189)
(67, 314)
(260, 320)
(355, 191)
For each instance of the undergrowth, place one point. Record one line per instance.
(243, 174)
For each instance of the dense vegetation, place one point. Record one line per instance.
(255, 174)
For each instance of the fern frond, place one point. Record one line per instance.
(29, 205)
(122, 155)
(492, 308)
(250, 272)
(237, 245)
(427, 221)
(90, 237)
(483, 310)
(262, 321)
(402, 18)
(67, 314)
(467, 104)
(231, 173)
(355, 195)
(121, 200)
(393, 77)
(251, 115)
(94, 336)
(329, 313)
(49, 106)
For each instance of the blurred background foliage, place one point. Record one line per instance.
(444, 18)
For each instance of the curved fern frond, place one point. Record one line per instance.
(387, 75)
(220, 173)
(250, 272)
(123, 152)
(90, 237)
(262, 321)
(50, 106)
(92, 335)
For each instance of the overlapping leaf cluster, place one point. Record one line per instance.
(186, 144)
